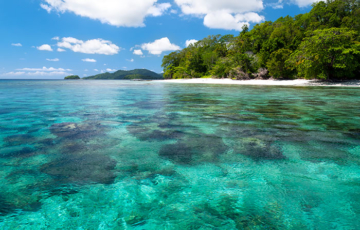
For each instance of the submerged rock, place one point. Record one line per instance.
(82, 169)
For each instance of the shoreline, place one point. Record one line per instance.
(297, 82)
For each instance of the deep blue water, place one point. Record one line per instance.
(148, 155)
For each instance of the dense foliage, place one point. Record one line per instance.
(72, 77)
(322, 44)
(124, 74)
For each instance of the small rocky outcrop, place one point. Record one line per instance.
(262, 74)
(239, 74)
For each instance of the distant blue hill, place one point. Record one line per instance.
(143, 74)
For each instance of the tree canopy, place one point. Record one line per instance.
(323, 44)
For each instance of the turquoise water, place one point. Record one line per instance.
(147, 155)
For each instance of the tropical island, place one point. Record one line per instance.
(140, 74)
(72, 77)
(322, 44)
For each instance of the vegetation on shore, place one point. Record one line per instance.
(72, 77)
(321, 44)
(127, 74)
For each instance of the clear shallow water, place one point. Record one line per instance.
(144, 155)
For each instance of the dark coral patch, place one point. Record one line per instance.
(5, 207)
(82, 169)
(146, 134)
(205, 148)
(178, 152)
(77, 131)
(23, 152)
(259, 150)
(19, 139)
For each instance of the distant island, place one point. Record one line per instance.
(141, 74)
(72, 77)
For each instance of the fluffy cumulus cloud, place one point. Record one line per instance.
(94, 46)
(225, 14)
(45, 47)
(223, 20)
(60, 50)
(55, 59)
(128, 13)
(159, 46)
(138, 52)
(88, 60)
(110, 70)
(16, 44)
(190, 42)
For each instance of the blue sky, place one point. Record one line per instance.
(49, 39)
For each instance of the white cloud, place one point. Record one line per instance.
(55, 38)
(46, 7)
(128, 13)
(159, 46)
(223, 20)
(304, 3)
(96, 70)
(60, 50)
(37, 73)
(202, 7)
(94, 46)
(86, 70)
(110, 70)
(225, 14)
(88, 60)
(191, 41)
(16, 44)
(45, 69)
(130, 60)
(14, 74)
(138, 52)
(173, 11)
(55, 59)
(45, 47)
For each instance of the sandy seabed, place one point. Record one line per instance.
(297, 82)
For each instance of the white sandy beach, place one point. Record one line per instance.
(298, 82)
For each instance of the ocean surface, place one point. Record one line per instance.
(152, 155)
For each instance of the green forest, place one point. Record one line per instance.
(322, 44)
